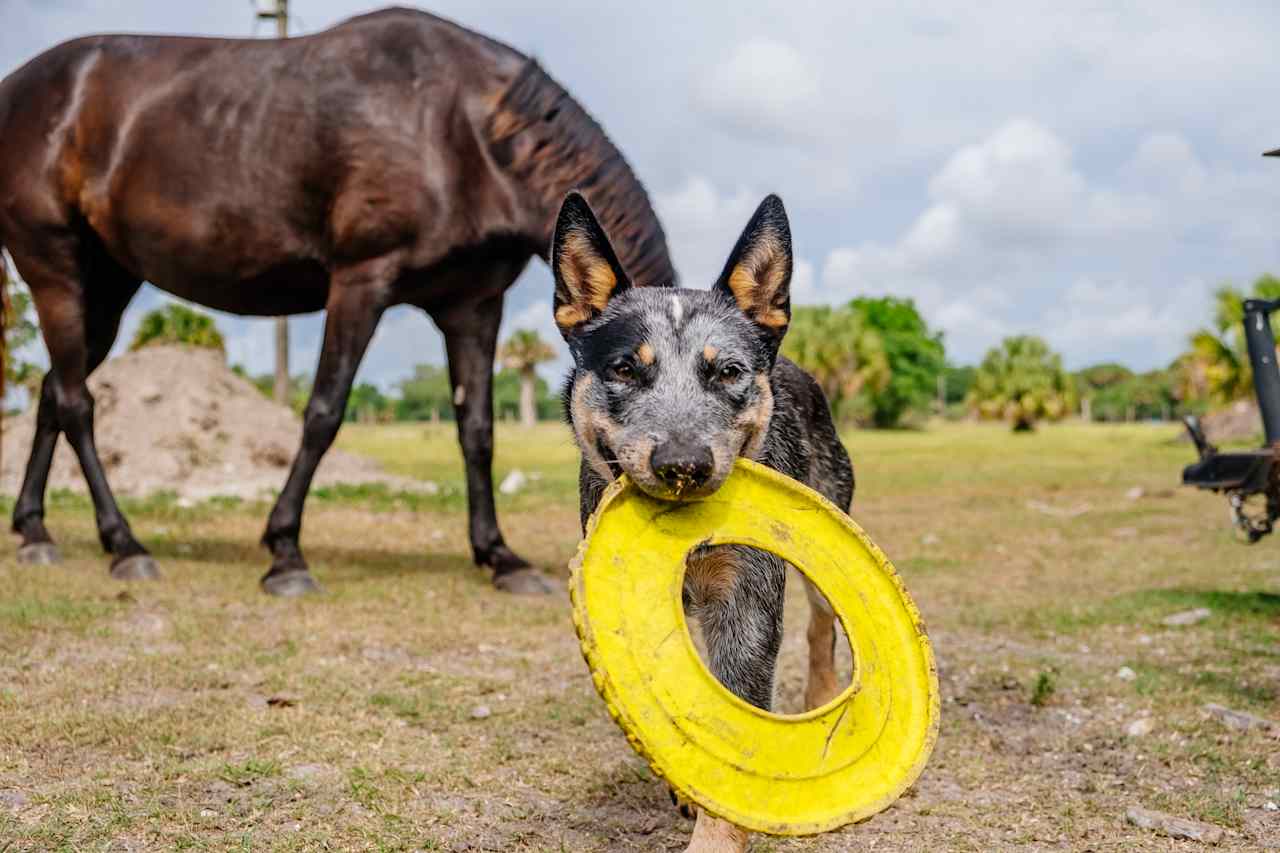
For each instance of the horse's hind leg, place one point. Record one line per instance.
(357, 297)
(28, 512)
(102, 321)
(79, 320)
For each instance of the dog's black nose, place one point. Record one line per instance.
(681, 465)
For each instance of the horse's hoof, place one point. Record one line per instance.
(502, 560)
(139, 567)
(523, 582)
(39, 554)
(290, 584)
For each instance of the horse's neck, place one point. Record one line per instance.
(548, 145)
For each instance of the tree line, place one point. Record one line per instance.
(876, 359)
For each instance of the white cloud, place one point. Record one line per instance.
(765, 88)
(702, 225)
(804, 283)
(1010, 216)
(1092, 316)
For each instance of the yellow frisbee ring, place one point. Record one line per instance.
(782, 775)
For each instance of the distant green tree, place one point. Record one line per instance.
(178, 324)
(1022, 382)
(1101, 376)
(425, 395)
(1116, 393)
(367, 402)
(914, 354)
(523, 352)
(19, 332)
(842, 353)
(956, 382)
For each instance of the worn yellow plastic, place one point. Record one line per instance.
(782, 775)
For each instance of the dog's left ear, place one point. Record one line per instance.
(586, 269)
(757, 275)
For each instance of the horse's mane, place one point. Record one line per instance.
(562, 148)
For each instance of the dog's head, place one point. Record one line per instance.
(671, 385)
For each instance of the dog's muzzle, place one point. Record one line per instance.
(682, 466)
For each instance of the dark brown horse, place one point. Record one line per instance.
(396, 158)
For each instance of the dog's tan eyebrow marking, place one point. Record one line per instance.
(645, 354)
(709, 352)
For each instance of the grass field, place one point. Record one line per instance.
(195, 713)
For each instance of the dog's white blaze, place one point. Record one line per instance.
(677, 310)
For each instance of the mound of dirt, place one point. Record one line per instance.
(178, 419)
(1238, 422)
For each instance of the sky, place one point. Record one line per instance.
(1087, 172)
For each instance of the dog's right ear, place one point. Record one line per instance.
(586, 270)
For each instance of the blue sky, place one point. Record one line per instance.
(1085, 171)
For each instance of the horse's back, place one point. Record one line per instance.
(195, 158)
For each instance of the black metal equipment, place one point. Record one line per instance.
(1247, 477)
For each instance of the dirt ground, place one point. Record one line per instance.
(177, 419)
(411, 707)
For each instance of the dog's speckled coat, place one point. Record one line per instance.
(670, 386)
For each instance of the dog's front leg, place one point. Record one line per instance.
(737, 595)
(713, 835)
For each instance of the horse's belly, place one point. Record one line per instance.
(220, 258)
(295, 287)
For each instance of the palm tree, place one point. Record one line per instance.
(842, 353)
(1217, 365)
(524, 351)
(1022, 381)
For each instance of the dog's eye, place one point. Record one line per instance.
(622, 371)
(729, 373)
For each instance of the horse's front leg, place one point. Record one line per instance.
(471, 338)
(357, 298)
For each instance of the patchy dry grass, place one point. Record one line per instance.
(195, 713)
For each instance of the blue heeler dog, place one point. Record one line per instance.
(670, 386)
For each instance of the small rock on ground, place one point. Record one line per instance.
(13, 799)
(1140, 727)
(1239, 720)
(1124, 673)
(1135, 493)
(1173, 826)
(309, 772)
(481, 712)
(1187, 617)
(513, 482)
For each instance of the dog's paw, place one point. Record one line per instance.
(686, 809)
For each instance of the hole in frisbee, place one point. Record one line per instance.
(805, 678)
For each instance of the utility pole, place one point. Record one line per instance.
(280, 14)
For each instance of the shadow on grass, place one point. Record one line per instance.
(248, 556)
(349, 562)
(1148, 606)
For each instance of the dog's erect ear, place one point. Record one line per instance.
(586, 270)
(758, 274)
